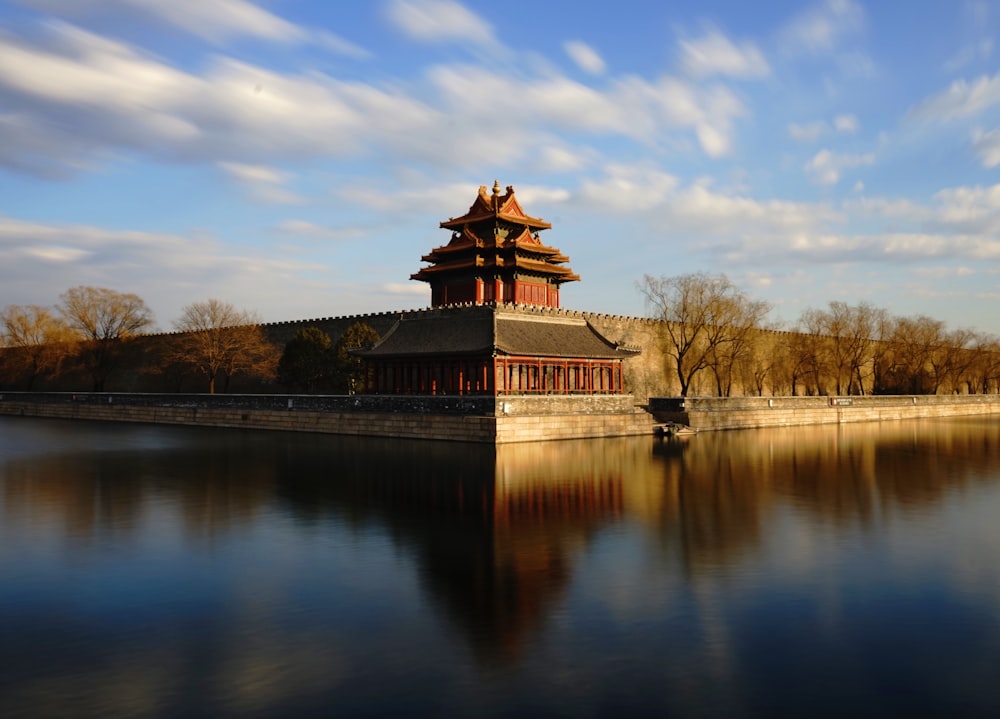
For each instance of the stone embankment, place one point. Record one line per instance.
(498, 420)
(705, 413)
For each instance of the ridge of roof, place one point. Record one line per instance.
(504, 207)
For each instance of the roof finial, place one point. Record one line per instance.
(496, 187)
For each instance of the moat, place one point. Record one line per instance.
(155, 571)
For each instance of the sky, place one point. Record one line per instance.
(295, 157)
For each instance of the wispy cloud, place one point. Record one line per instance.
(826, 167)
(987, 146)
(585, 57)
(212, 20)
(440, 21)
(265, 184)
(961, 99)
(822, 27)
(716, 54)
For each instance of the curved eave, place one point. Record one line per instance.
(485, 264)
(484, 332)
(471, 219)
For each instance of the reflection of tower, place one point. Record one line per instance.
(495, 530)
(500, 578)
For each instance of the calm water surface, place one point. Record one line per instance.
(171, 572)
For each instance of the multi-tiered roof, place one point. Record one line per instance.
(495, 256)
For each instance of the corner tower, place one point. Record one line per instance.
(495, 256)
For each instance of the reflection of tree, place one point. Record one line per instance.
(721, 489)
(95, 495)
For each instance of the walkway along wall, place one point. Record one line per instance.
(706, 413)
(483, 419)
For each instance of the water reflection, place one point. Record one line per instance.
(165, 571)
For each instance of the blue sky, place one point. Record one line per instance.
(295, 157)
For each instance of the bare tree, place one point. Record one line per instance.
(38, 341)
(104, 318)
(706, 319)
(984, 372)
(217, 340)
(912, 342)
(812, 352)
(950, 362)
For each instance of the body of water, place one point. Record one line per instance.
(150, 571)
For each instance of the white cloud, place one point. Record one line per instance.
(845, 123)
(411, 289)
(987, 146)
(215, 21)
(311, 230)
(715, 54)
(806, 132)
(265, 184)
(971, 210)
(822, 27)
(826, 167)
(539, 195)
(631, 107)
(212, 20)
(254, 173)
(961, 99)
(585, 57)
(163, 268)
(727, 216)
(89, 93)
(628, 189)
(82, 94)
(976, 52)
(563, 159)
(440, 21)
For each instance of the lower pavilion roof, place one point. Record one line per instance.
(494, 329)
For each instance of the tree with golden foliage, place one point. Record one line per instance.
(104, 319)
(217, 339)
(37, 341)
